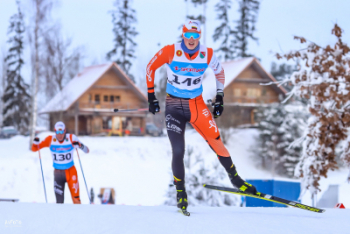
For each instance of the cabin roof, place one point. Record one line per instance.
(81, 83)
(232, 71)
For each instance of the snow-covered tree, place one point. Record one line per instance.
(224, 32)
(245, 28)
(323, 79)
(197, 174)
(123, 19)
(292, 129)
(270, 137)
(280, 125)
(16, 110)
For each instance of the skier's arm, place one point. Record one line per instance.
(37, 145)
(214, 63)
(165, 55)
(78, 144)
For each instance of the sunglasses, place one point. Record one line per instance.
(59, 131)
(188, 35)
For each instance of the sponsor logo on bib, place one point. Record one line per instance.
(202, 54)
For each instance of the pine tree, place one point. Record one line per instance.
(280, 128)
(292, 128)
(224, 31)
(197, 174)
(245, 28)
(123, 19)
(16, 97)
(270, 136)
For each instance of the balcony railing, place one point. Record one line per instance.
(106, 105)
(246, 99)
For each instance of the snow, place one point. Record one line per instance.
(52, 218)
(139, 169)
(75, 88)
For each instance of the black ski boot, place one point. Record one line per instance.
(239, 183)
(181, 196)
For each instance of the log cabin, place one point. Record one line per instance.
(86, 103)
(244, 91)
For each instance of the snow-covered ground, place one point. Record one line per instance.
(138, 168)
(55, 218)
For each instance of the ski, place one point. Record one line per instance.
(266, 197)
(184, 212)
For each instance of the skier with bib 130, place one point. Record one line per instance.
(62, 147)
(186, 64)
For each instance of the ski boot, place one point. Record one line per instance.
(239, 183)
(181, 197)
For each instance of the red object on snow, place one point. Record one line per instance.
(340, 206)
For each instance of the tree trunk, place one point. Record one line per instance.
(35, 79)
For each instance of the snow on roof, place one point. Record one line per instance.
(75, 88)
(232, 70)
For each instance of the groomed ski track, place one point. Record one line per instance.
(42, 218)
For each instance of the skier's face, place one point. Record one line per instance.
(191, 43)
(60, 136)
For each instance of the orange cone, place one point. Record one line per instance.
(340, 206)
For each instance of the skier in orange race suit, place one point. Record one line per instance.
(186, 63)
(62, 147)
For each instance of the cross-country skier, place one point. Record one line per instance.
(186, 64)
(62, 147)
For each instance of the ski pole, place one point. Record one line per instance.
(130, 110)
(84, 177)
(42, 174)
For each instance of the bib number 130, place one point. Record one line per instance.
(62, 157)
(189, 81)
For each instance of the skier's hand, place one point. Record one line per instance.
(77, 144)
(36, 141)
(218, 105)
(153, 103)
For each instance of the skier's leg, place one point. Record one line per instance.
(203, 122)
(73, 184)
(59, 183)
(176, 115)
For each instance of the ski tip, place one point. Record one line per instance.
(115, 110)
(204, 185)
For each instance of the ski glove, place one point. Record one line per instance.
(36, 141)
(218, 105)
(153, 103)
(78, 144)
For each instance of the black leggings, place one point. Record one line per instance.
(177, 114)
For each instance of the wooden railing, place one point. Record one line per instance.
(106, 105)
(245, 99)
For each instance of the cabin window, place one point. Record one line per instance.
(117, 98)
(263, 91)
(90, 98)
(253, 92)
(97, 98)
(111, 98)
(237, 92)
(105, 98)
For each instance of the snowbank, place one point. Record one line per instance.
(53, 218)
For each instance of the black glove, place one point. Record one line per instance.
(80, 145)
(218, 105)
(153, 103)
(36, 140)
